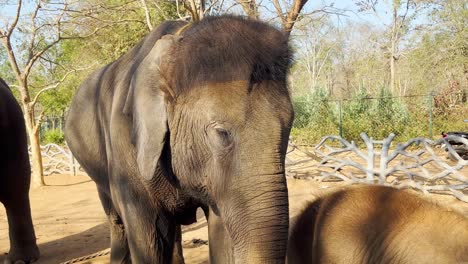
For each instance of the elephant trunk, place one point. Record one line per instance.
(257, 216)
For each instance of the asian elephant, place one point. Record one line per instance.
(195, 115)
(377, 225)
(15, 177)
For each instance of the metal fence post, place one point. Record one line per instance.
(431, 98)
(72, 164)
(340, 118)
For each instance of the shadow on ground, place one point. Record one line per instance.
(74, 246)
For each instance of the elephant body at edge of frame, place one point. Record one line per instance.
(15, 177)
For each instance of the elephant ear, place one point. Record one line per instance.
(147, 100)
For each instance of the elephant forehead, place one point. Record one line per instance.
(222, 100)
(239, 103)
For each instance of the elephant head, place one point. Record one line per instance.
(212, 109)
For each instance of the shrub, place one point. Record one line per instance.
(53, 136)
(317, 115)
(314, 116)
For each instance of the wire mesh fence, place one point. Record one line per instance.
(318, 116)
(52, 123)
(52, 130)
(405, 116)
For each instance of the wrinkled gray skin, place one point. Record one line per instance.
(15, 176)
(156, 157)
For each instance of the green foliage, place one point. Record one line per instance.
(378, 117)
(333, 61)
(53, 136)
(122, 25)
(115, 39)
(5, 69)
(431, 58)
(310, 109)
(57, 101)
(359, 107)
(313, 112)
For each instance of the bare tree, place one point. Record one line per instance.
(316, 48)
(199, 8)
(402, 14)
(159, 6)
(147, 14)
(287, 12)
(196, 8)
(41, 30)
(250, 8)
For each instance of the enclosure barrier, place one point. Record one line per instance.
(57, 159)
(419, 163)
(318, 114)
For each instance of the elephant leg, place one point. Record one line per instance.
(150, 235)
(23, 245)
(220, 245)
(178, 256)
(120, 252)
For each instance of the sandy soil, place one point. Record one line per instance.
(70, 222)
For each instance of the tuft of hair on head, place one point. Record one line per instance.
(229, 48)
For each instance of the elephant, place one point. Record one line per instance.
(15, 177)
(377, 224)
(196, 115)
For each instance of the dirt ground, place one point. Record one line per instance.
(70, 222)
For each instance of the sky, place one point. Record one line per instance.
(7, 11)
(352, 13)
(351, 9)
(383, 9)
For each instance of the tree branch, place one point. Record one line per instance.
(37, 124)
(197, 11)
(15, 20)
(211, 7)
(279, 11)
(292, 15)
(34, 30)
(249, 7)
(147, 14)
(33, 59)
(55, 84)
(163, 14)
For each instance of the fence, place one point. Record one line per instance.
(406, 116)
(51, 123)
(416, 164)
(58, 160)
(319, 115)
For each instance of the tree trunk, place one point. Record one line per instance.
(37, 177)
(293, 14)
(392, 73)
(393, 48)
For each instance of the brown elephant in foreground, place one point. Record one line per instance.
(15, 177)
(195, 115)
(376, 225)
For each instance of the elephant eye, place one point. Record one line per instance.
(222, 132)
(219, 138)
(224, 136)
